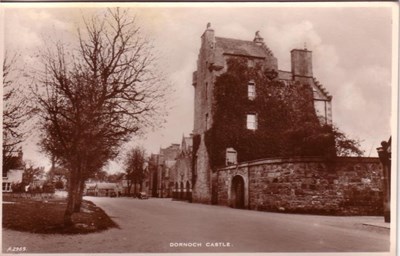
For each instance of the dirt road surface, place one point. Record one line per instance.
(162, 225)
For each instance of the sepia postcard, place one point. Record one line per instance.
(182, 128)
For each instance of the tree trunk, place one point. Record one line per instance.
(135, 188)
(80, 189)
(129, 187)
(71, 201)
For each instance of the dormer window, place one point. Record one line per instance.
(251, 90)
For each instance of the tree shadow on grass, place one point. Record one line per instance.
(46, 217)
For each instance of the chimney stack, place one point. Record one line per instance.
(301, 63)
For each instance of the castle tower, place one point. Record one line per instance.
(212, 62)
(212, 58)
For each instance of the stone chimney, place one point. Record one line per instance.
(301, 63)
(258, 39)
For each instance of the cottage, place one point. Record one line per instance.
(13, 177)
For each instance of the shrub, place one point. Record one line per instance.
(48, 188)
(18, 187)
(59, 185)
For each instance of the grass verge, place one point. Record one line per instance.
(46, 217)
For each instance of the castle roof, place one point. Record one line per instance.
(322, 89)
(241, 47)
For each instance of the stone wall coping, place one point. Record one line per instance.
(298, 160)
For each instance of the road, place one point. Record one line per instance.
(162, 225)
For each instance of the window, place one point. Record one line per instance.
(206, 90)
(206, 121)
(251, 63)
(252, 121)
(231, 156)
(251, 90)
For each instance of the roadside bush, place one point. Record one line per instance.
(59, 185)
(34, 189)
(18, 187)
(48, 188)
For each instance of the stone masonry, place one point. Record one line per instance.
(348, 186)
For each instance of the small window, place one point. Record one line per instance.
(206, 90)
(251, 63)
(231, 156)
(251, 90)
(206, 121)
(252, 121)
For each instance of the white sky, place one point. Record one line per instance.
(351, 48)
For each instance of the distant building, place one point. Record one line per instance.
(181, 178)
(170, 171)
(13, 177)
(104, 189)
(14, 172)
(159, 169)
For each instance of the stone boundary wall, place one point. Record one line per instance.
(346, 186)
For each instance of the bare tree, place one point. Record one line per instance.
(134, 168)
(31, 173)
(94, 98)
(16, 111)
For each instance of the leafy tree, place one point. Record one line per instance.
(101, 176)
(134, 167)
(94, 98)
(115, 177)
(346, 146)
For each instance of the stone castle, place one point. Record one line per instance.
(274, 183)
(305, 183)
(212, 62)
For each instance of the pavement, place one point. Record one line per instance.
(165, 226)
(378, 224)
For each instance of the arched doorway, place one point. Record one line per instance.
(237, 192)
